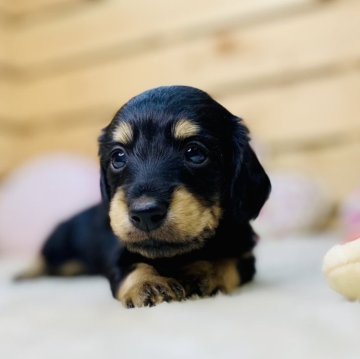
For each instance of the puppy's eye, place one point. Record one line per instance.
(196, 154)
(118, 159)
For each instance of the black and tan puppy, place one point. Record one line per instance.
(180, 184)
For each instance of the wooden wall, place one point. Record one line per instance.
(290, 68)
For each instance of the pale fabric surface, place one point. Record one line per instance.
(289, 312)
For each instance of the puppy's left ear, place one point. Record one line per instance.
(104, 187)
(250, 187)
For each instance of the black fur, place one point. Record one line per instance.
(155, 166)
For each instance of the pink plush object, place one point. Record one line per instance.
(297, 204)
(350, 215)
(40, 194)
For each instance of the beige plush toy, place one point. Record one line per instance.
(341, 267)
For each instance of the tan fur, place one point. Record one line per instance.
(37, 269)
(40, 268)
(190, 216)
(145, 287)
(188, 221)
(205, 277)
(184, 129)
(228, 276)
(123, 133)
(71, 268)
(119, 215)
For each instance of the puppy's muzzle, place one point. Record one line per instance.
(147, 214)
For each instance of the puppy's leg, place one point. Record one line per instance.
(206, 278)
(40, 267)
(143, 286)
(58, 256)
(246, 267)
(36, 269)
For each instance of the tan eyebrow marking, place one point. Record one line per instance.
(123, 133)
(184, 129)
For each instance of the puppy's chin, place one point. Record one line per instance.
(152, 248)
(163, 242)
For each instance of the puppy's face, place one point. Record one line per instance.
(167, 166)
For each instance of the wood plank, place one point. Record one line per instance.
(8, 101)
(8, 142)
(26, 7)
(301, 113)
(113, 24)
(6, 6)
(322, 38)
(336, 168)
(3, 62)
(19, 149)
(33, 7)
(292, 115)
(3, 43)
(5, 109)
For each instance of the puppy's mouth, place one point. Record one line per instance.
(186, 227)
(154, 248)
(164, 242)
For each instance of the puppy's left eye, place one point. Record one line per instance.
(118, 159)
(196, 154)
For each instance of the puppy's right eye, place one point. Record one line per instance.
(118, 159)
(195, 154)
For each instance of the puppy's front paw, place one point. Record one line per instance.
(144, 287)
(152, 292)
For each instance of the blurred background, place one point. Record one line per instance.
(290, 68)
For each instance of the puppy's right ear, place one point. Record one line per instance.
(250, 187)
(104, 187)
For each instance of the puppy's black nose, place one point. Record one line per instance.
(147, 214)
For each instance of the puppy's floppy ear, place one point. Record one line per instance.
(104, 187)
(250, 185)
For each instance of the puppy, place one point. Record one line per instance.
(180, 184)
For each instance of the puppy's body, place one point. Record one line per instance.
(180, 184)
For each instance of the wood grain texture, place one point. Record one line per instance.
(17, 149)
(3, 43)
(27, 7)
(334, 167)
(113, 25)
(8, 101)
(293, 115)
(6, 6)
(290, 114)
(301, 113)
(2, 39)
(250, 56)
(6, 49)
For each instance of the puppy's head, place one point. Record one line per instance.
(174, 162)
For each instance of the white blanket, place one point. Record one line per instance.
(288, 312)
